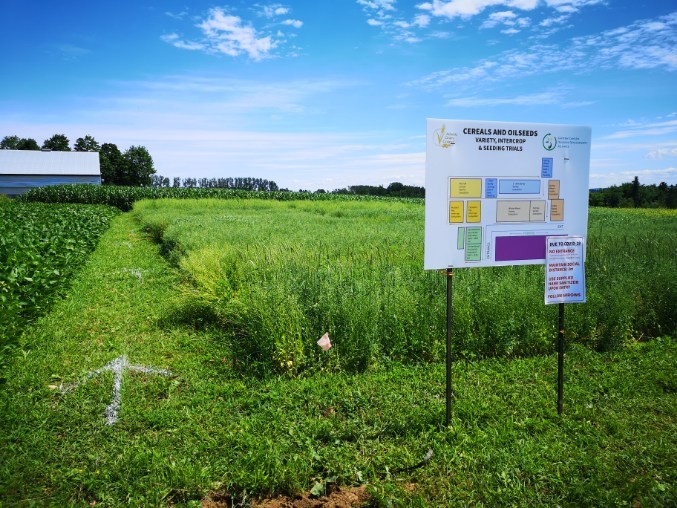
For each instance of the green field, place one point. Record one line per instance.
(40, 248)
(273, 274)
(230, 296)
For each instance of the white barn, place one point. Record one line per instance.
(21, 170)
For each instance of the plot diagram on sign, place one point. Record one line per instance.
(496, 192)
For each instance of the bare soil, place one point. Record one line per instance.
(343, 497)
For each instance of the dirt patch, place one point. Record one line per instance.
(344, 497)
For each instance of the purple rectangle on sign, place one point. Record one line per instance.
(519, 248)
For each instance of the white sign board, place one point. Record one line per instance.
(565, 270)
(496, 190)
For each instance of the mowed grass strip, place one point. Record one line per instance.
(208, 430)
(41, 246)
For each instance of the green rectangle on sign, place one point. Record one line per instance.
(473, 244)
(460, 239)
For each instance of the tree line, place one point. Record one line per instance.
(635, 195)
(251, 184)
(133, 167)
(395, 190)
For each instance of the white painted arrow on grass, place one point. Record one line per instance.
(117, 366)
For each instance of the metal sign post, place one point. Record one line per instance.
(560, 361)
(450, 393)
(564, 283)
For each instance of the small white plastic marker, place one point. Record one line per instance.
(118, 365)
(324, 342)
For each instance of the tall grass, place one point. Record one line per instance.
(277, 275)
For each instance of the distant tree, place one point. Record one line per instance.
(395, 187)
(112, 164)
(27, 144)
(86, 144)
(595, 197)
(177, 182)
(398, 189)
(138, 166)
(671, 197)
(635, 192)
(57, 143)
(159, 181)
(10, 143)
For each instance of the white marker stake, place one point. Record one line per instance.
(117, 366)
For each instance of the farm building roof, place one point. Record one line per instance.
(38, 162)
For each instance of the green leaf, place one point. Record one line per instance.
(318, 489)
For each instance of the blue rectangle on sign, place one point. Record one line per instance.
(518, 186)
(546, 167)
(490, 187)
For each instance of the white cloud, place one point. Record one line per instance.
(468, 8)
(378, 5)
(502, 17)
(543, 98)
(177, 15)
(421, 20)
(293, 22)
(383, 14)
(663, 152)
(225, 33)
(273, 10)
(561, 11)
(548, 22)
(507, 19)
(570, 6)
(647, 129)
(646, 44)
(507, 15)
(176, 41)
(228, 34)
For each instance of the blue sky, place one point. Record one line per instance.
(325, 94)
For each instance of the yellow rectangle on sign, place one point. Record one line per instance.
(466, 187)
(455, 211)
(474, 211)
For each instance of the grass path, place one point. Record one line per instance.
(205, 430)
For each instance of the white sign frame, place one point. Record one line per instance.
(496, 190)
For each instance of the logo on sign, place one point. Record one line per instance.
(549, 142)
(443, 138)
